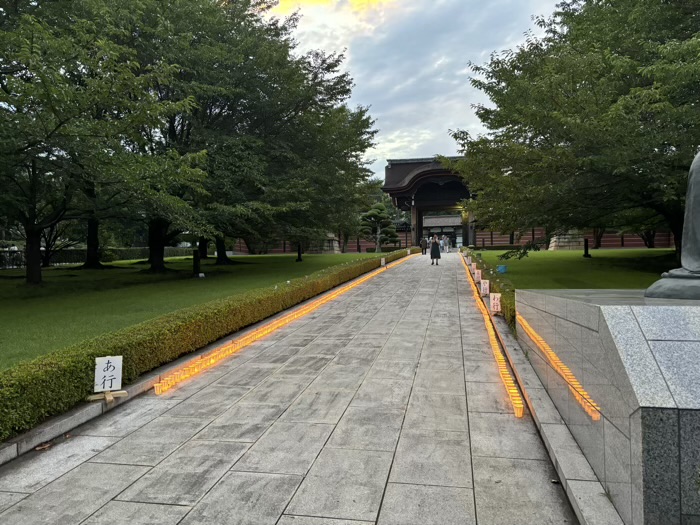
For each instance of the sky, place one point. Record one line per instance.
(409, 60)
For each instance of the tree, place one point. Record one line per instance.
(596, 119)
(378, 227)
(52, 79)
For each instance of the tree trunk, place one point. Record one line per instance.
(92, 258)
(649, 238)
(33, 256)
(298, 259)
(359, 247)
(677, 230)
(157, 234)
(46, 258)
(598, 237)
(203, 247)
(346, 239)
(221, 257)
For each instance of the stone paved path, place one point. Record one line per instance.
(384, 406)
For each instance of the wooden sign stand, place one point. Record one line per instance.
(108, 396)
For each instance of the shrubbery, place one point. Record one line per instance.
(54, 383)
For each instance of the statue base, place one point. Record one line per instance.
(676, 284)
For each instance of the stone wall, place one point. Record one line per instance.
(627, 384)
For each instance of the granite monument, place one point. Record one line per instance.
(684, 282)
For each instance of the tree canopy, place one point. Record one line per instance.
(593, 124)
(194, 116)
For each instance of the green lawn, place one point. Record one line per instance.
(73, 305)
(568, 269)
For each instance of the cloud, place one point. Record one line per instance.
(409, 59)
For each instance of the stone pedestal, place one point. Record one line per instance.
(624, 373)
(569, 241)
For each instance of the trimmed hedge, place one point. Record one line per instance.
(393, 256)
(54, 383)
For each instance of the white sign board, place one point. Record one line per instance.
(485, 287)
(108, 373)
(473, 267)
(477, 276)
(469, 259)
(496, 303)
(383, 262)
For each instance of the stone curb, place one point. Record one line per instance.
(64, 423)
(586, 494)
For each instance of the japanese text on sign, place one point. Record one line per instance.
(485, 287)
(108, 373)
(496, 303)
(477, 276)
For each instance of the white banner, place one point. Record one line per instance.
(485, 287)
(496, 303)
(108, 373)
(477, 276)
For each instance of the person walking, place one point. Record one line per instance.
(435, 251)
(442, 245)
(447, 244)
(424, 245)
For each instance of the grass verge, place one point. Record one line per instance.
(74, 305)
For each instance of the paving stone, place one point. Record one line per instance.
(298, 340)
(319, 406)
(368, 428)
(245, 498)
(359, 357)
(127, 418)
(325, 346)
(344, 484)
(307, 365)
(450, 382)
(248, 375)
(286, 448)
(488, 397)
(279, 391)
(385, 393)
(505, 436)
(436, 412)
(481, 371)
(73, 497)
(433, 457)
(442, 361)
(384, 369)
(519, 491)
(7, 499)
(209, 402)
(421, 505)
(241, 422)
(30, 472)
(305, 520)
(336, 377)
(477, 350)
(152, 443)
(137, 514)
(186, 475)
